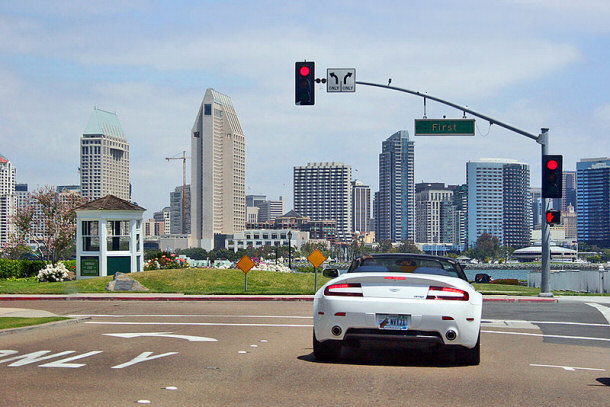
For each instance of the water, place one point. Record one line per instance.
(495, 274)
(498, 274)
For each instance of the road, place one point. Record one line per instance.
(260, 354)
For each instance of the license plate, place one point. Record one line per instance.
(393, 321)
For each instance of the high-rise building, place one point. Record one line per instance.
(270, 209)
(164, 218)
(395, 216)
(7, 197)
(499, 201)
(323, 191)
(453, 224)
(569, 191)
(593, 201)
(361, 207)
(218, 171)
(104, 157)
(429, 198)
(180, 211)
(537, 207)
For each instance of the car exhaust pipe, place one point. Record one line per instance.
(451, 335)
(336, 330)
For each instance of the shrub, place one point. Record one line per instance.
(507, 281)
(19, 268)
(52, 274)
(166, 262)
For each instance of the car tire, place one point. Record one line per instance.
(469, 357)
(328, 350)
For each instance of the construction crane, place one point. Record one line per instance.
(183, 158)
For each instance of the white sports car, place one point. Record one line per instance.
(419, 300)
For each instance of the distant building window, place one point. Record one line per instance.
(207, 109)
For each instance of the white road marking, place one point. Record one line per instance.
(164, 335)
(583, 338)
(569, 368)
(186, 316)
(63, 362)
(34, 357)
(197, 324)
(499, 323)
(514, 323)
(170, 388)
(604, 310)
(143, 357)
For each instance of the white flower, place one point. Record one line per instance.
(50, 273)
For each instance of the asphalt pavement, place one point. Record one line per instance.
(33, 313)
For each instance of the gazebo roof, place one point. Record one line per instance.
(110, 203)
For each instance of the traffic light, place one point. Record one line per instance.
(552, 177)
(553, 217)
(304, 81)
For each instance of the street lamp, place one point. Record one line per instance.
(289, 250)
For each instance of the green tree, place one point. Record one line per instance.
(59, 219)
(195, 253)
(385, 246)
(487, 247)
(408, 246)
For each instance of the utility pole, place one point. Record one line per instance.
(183, 158)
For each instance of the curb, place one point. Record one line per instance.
(45, 325)
(222, 298)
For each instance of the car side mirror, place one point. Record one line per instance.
(331, 273)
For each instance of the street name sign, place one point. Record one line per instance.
(444, 127)
(341, 80)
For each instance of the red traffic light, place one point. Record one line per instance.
(553, 217)
(304, 71)
(552, 165)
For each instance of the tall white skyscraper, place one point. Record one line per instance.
(218, 171)
(7, 197)
(323, 191)
(499, 201)
(104, 157)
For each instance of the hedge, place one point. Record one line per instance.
(20, 268)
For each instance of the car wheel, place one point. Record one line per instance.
(328, 350)
(469, 357)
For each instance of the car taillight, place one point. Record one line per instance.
(350, 290)
(447, 293)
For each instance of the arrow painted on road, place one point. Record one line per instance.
(164, 335)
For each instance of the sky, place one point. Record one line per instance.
(531, 64)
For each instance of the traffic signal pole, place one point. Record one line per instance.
(545, 286)
(542, 139)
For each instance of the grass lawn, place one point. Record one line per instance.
(212, 281)
(17, 322)
(187, 281)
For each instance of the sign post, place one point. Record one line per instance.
(316, 259)
(245, 264)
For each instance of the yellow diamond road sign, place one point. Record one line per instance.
(316, 258)
(245, 264)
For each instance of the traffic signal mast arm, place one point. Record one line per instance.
(462, 108)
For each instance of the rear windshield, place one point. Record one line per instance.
(406, 265)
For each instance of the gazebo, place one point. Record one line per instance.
(109, 238)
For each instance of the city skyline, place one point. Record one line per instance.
(530, 64)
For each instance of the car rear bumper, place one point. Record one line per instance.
(356, 321)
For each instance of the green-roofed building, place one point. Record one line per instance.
(104, 157)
